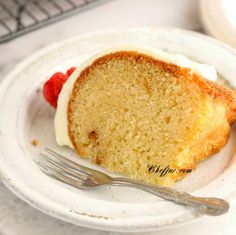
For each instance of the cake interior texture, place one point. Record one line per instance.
(136, 115)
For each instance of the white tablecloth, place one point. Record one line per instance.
(16, 217)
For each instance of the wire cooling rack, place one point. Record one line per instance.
(18, 17)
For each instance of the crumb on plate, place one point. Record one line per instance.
(34, 142)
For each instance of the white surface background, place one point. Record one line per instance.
(16, 217)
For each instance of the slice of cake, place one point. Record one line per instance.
(144, 113)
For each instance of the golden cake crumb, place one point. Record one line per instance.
(34, 142)
(129, 111)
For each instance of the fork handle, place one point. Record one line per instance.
(206, 205)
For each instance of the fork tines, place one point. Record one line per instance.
(62, 168)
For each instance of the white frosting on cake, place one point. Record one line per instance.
(62, 137)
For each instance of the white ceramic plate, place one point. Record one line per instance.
(25, 116)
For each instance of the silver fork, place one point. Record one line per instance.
(81, 177)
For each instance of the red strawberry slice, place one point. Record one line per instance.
(52, 88)
(70, 71)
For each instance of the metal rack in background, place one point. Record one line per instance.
(18, 17)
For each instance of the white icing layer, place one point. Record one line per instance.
(62, 137)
